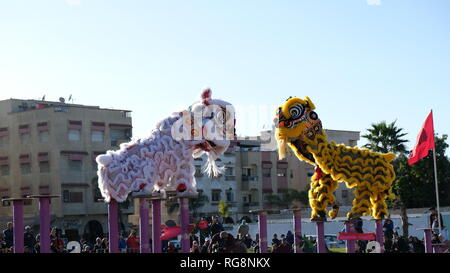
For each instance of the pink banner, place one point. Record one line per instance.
(356, 236)
(4, 132)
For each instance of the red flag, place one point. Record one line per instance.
(424, 142)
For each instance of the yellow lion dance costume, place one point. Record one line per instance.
(299, 127)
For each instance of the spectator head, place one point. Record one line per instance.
(133, 232)
(28, 229)
(98, 240)
(9, 225)
(54, 231)
(38, 237)
(195, 243)
(282, 236)
(433, 210)
(275, 236)
(223, 235)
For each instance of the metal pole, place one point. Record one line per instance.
(321, 247)
(44, 211)
(379, 234)
(427, 240)
(143, 225)
(297, 231)
(113, 226)
(437, 190)
(262, 219)
(18, 226)
(350, 244)
(185, 241)
(156, 225)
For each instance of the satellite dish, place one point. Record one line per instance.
(373, 247)
(74, 247)
(62, 100)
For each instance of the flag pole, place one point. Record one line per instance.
(436, 182)
(437, 190)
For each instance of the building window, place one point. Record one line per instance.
(25, 168)
(72, 197)
(24, 131)
(43, 133)
(74, 135)
(344, 194)
(43, 136)
(215, 195)
(24, 139)
(229, 171)
(4, 136)
(4, 169)
(291, 175)
(281, 172)
(352, 143)
(198, 171)
(75, 165)
(6, 203)
(44, 167)
(266, 172)
(118, 134)
(97, 136)
(230, 195)
(4, 166)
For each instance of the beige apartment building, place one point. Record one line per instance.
(49, 148)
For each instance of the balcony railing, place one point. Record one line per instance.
(230, 177)
(249, 178)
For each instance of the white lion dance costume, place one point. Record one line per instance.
(165, 158)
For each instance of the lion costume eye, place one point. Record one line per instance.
(220, 117)
(296, 111)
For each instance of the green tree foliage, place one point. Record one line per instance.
(385, 138)
(415, 184)
(224, 210)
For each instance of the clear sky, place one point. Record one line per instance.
(360, 61)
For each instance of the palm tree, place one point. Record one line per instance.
(386, 138)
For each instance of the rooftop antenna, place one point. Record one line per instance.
(70, 98)
(43, 98)
(62, 100)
